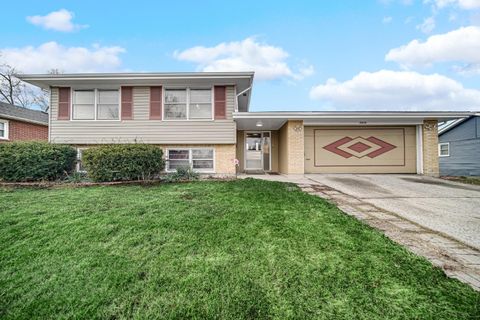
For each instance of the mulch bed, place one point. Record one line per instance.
(63, 184)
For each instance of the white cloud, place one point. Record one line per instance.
(427, 25)
(60, 20)
(268, 62)
(387, 20)
(52, 55)
(397, 90)
(461, 45)
(462, 4)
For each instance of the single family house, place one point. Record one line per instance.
(18, 123)
(459, 147)
(202, 120)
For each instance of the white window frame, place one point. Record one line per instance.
(79, 159)
(190, 159)
(245, 149)
(5, 128)
(440, 149)
(188, 102)
(95, 106)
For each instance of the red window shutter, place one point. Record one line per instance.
(156, 103)
(127, 103)
(220, 96)
(63, 104)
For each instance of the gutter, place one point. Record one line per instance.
(351, 115)
(23, 120)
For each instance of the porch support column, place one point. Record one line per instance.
(291, 152)
(430, 148)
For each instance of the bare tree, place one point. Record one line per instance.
(16, 92)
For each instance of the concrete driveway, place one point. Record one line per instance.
(443, 206)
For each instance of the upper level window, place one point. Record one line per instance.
(84, 104)
(107, 105)
(188, 104)
(444, 149)
(95, 104)
(3, 129)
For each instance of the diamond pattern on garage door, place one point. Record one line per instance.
(359, 147)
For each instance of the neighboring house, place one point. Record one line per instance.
(459, 147)
(202, 120)
(17, 123)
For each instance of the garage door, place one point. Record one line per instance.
(360, 150)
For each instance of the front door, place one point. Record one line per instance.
(257, 151)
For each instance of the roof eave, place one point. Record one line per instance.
(10, 117)
(433, 115)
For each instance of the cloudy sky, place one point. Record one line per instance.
(307, 55)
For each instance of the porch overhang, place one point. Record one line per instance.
(275, 120)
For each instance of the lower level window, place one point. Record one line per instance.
(199, 159)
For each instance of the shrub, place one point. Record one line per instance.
(35, 161)
(182, 174)
(123, 162)
(77, 177)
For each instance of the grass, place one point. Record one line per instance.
(244, 249)
(467, 180)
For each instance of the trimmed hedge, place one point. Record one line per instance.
(35, 161)
(123, 162)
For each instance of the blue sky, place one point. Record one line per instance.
(308, 55)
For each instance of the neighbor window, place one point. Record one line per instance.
(200, 159)
(94, 104)
(3, 129)
(186, 104)
(444, 149)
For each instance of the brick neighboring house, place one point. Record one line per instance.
(20, 124)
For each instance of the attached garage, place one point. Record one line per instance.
(360, 149)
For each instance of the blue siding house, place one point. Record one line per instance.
(459, 147)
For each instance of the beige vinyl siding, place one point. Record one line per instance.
(141, 129)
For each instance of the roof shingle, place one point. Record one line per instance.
(9, 111)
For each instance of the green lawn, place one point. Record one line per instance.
(227, 250)
(467, 180)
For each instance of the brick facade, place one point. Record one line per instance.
(291, 147)
(225, 155)
(430, 148)
(22, 131)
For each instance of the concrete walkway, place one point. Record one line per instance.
(457, 259)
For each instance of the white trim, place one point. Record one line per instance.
(419, 138)
(448, 149)
(360, 115)
(190, 159)
(187, 102)
(236, 99)
(79, 159)
(6, 129)
(95, 106)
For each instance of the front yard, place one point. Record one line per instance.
(228, 250)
